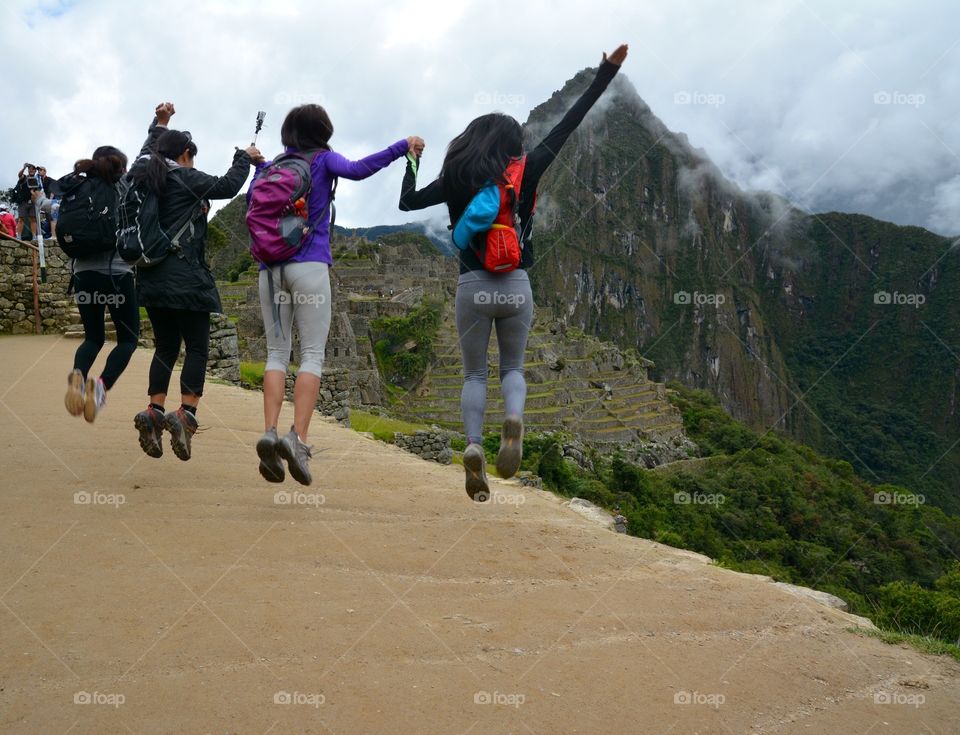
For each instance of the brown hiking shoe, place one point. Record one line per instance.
(182, 425)
(475, 466)
(74, 398)
(511, 447)
(149, 423)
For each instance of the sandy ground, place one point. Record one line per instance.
(157, 596)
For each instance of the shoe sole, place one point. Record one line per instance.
(90, 401)
(74, 398)
(177, 442)
(511, 447)
(283, 449)
(271, 468)
(476, 484)
(149, 442)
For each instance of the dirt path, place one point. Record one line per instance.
(391, 605)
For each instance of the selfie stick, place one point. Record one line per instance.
(260, 115)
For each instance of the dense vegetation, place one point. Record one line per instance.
(767, 505)
(403, 345)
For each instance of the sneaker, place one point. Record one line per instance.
(182, 425)
(297, 455)
(475, 465)
(268, 450)
(511, 447)
(150, 425)
(95, 396)
(74, 398)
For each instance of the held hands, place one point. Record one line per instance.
(618, 56)
(256, 156)
(164, 111)
(415, 145)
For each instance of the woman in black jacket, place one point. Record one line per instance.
(474, 159)
(179, 293)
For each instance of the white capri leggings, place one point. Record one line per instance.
(301, 296)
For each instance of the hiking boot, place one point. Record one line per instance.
(511, 447)
(74, 398)
(95, 396)
(475, 466)
(182, 425)
(150, 425)
(297, 455)
(268, 450)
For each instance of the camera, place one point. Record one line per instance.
(34, 182)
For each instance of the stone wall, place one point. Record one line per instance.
(224, 359)
(431, 445)
(338, 389)
(57, 310)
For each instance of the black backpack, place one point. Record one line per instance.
(140, 239)
(87, 223)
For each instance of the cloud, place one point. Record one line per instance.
(782, 96)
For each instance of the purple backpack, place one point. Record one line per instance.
(278, 214)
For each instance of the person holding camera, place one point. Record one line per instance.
(27, 183)
(179, 292)
(497, 294)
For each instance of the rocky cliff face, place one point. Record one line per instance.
(839, 329)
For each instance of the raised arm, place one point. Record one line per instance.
(543, 155)
(205, 186)
(338, 165)
(410, 198)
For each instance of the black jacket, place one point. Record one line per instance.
(538, 160)
(184, 281)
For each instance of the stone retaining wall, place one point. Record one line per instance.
(57, 310)
(431, 445)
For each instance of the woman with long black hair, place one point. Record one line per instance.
(179, 293)
(475, 158)
(101, 281)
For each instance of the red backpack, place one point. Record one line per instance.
(500, 229)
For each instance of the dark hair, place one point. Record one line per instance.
(107, 163)
(306, 128)
(480, 154)
(171, 144)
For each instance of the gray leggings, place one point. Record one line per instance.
(301, 296)
(483, 300)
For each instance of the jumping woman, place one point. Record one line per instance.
(296, 291)
(479, 156)
(179, 293)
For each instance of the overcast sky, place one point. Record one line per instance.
(851, 106)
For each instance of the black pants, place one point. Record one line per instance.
(94, 292)
(171, 327)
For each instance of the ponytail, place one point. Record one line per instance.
(170, 145)
(107, 163)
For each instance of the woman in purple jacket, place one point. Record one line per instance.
(300, 292)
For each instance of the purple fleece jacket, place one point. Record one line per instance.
(325, 167)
